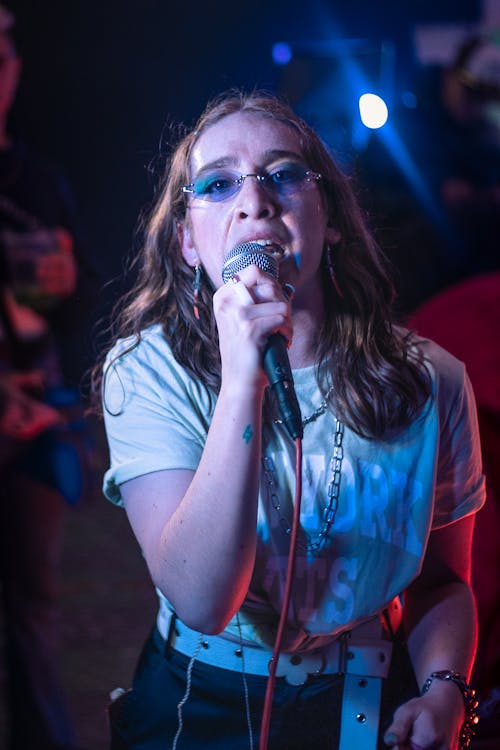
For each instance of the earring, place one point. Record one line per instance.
(196, 290)
(331, 271)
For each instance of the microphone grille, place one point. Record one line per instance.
(249, 254)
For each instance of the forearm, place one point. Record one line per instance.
(440, 623)
(198, 530)
(442, 635)
(206, 552)
(441, 628)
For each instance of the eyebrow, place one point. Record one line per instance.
(232, 161)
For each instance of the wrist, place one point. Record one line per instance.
(468, 697)
(243, 389)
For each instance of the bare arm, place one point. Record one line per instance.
(440, 621)
(198, 530)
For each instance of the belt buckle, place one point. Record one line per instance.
(297, 668)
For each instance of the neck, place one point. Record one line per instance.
(306, 325)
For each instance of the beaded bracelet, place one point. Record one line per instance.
(470, 702)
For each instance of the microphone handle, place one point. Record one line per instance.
(277, 368)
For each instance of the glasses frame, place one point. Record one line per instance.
(262, 179)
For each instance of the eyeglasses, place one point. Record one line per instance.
(282, 181)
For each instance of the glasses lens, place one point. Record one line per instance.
(216, 186)
(282, 180)
(286, 179)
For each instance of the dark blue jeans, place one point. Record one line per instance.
(215, 717)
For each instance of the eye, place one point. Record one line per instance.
(215, 184)
(287, 174)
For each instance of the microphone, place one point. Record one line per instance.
(275, 361)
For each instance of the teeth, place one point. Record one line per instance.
(277, 250)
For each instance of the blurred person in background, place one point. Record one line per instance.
(44, 285)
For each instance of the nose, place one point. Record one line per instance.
(253, 200)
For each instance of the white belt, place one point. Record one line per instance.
(362, 655)
(361, 651)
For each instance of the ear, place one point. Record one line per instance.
(333, 235)
(188, 250)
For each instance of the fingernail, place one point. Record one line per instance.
(289, 290)
(235, 278)
(390, 738)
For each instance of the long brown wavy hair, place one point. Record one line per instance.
(380, 382)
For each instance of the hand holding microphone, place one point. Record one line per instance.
(275, 361)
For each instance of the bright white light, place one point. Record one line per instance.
(373, 111)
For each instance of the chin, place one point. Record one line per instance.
(288, 270)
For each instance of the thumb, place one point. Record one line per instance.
(401, 727)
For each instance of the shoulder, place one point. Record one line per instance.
(448, 373)
(146, 355)
(445, 368)
(451, 387)
(139, 348)
(144, 364)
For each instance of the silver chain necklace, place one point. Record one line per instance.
(330, 511)
(316, 413)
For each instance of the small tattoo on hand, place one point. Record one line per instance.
(247, 434)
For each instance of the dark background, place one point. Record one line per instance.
(101, 83)
(101, 80)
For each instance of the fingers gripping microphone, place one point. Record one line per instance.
(275, 361)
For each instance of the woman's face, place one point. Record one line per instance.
(293, 218)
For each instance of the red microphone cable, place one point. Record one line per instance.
(268, 701)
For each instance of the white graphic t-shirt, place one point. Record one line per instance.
(391, 492)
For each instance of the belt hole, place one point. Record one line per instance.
(238, 652)
(361, 718)
(363, 683)
(350, 655)
(295, 660)
(204, 644)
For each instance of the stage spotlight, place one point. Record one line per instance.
(281, 53)
(373, 111)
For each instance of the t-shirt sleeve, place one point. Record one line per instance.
(153, 421)
(460, 484)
